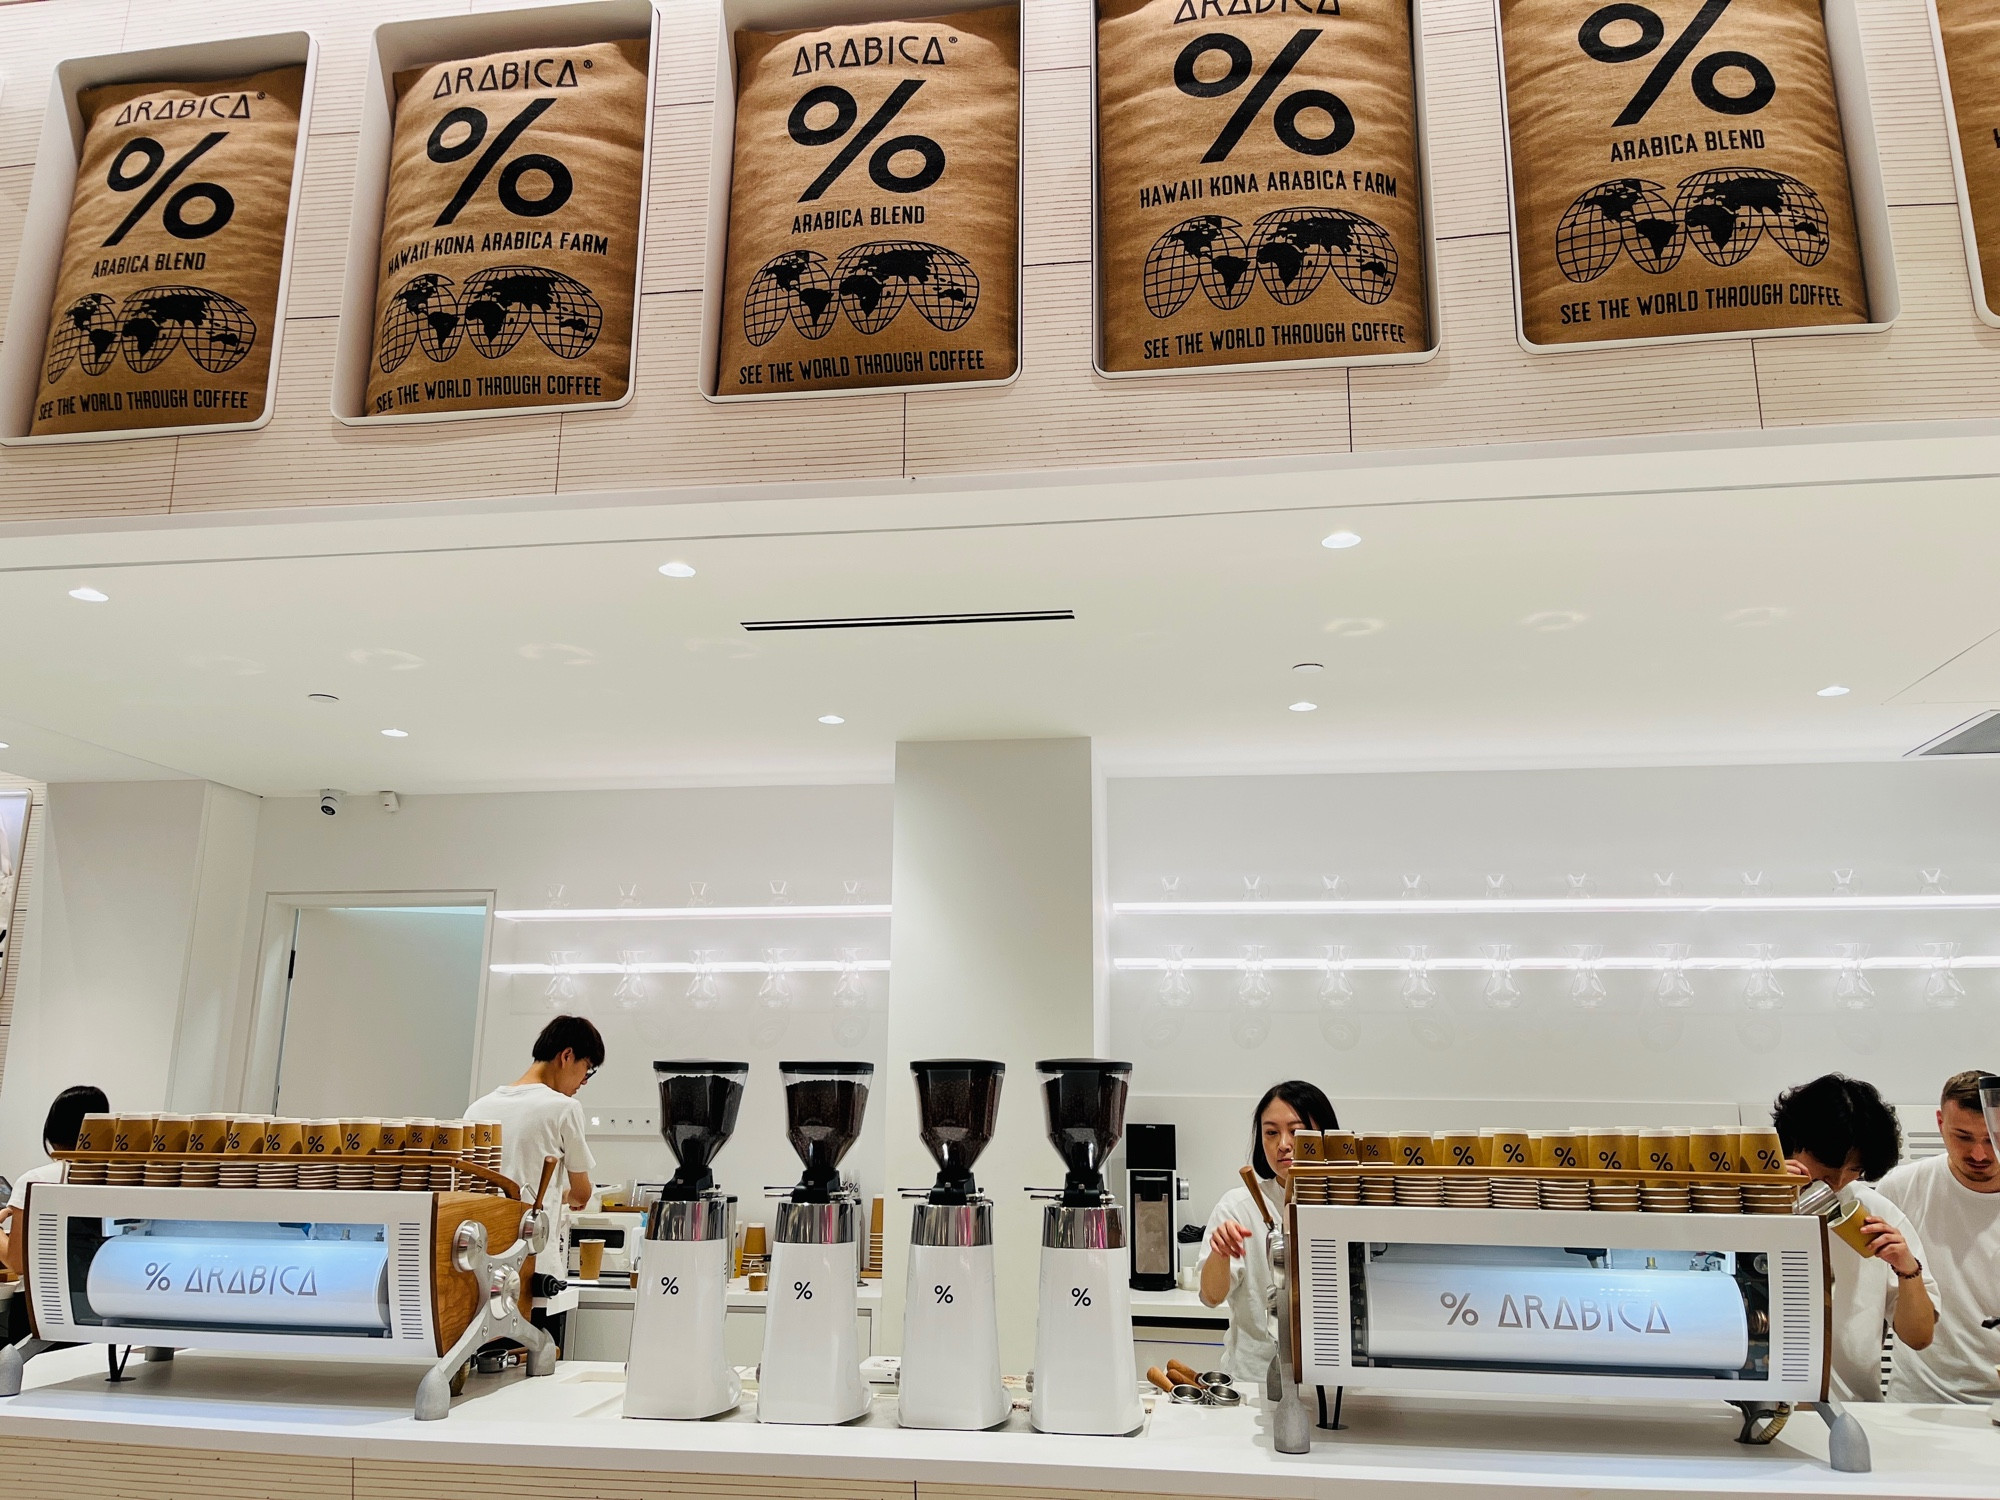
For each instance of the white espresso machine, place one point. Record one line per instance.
(811, 1371)
(951, 1321)
(1084, 1377)
(677, 1367)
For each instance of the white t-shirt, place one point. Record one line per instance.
(48, 1171)
(1864, 1298)
(1252, 1341)
(536, 1123)
(1961, 1231)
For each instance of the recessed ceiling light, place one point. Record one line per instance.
(1548, 621)
(321, 698)
(90, 595)
(1309, 666)
(1834, 690)
(4, 745)
(396, 734)
(1340, 540)
(1302, 707)
(831, 719)
(677, 570)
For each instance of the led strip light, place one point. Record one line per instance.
(1484, 965)
(1525, 905)
(687, 913)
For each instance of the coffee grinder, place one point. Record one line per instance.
(677, 1367)
(1084, 1377)
(1154, 1192)
(951, 1320)
(811, 1370)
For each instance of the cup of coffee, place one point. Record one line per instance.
(1759, 1151)
(1847, 1224)
(1456, 1148)
(1510, 1148)
(1712, 1151)
(590, 1259)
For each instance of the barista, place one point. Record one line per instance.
(60, 1129)
(1236, 1260)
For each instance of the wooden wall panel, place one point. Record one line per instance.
(689, 47)
(1468, 143)
(1442, 17)
(304, 457)
(1056, 114)
(319, 246)
(14, 185)
(1058, 34)
(45, 1469)
(86, 480)
(1060, 414)
(1484, 387)
(1937, 363)
(677, 212)
(375, 1480)
(1909, 107)
(669, 435)
(32, 43)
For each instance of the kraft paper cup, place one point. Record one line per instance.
(1510, 1148)
(1606, 1150)
(320, 1139)
(1847, 1224)
(359, 1137)
(1712, 1151)
(206, 1134)
(1306, 1146)
(1562, 1149)
(94, 1134)
(1340, 1147)
(244, 1136)
(1759, 1151)
(590, 1259)
(1377, 1150)
(170, 1132)
(1658, 1152)
(387, 1175)
(132, 1135)
(1456, 1148)
(284, 1136)
(1414, 1151)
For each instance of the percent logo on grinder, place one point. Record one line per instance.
(510, 238)
(1971, 36)
(167, 294)
(1678, 169)
(874, 234)
(1257, 172)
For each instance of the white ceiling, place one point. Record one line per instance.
(1493, 628)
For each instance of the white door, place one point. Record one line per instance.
(381, 1011)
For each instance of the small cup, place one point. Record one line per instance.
(760, 1281)
(1306, 1146)
(132, 1135)
(1561, 1149)
(590, 1259)
(1658, 1152)
(1607, 1151)
(1456, 1148)
(1415, 1151)
(95, 1133)
(1847, 1224)
(417, 1136)
(1759, 1151)
(754, 1243)
(284, 1137)
(320, 1139)
(205, 1134)
(1510, 1148)
(1340, 1147)
(393, 1134)
(170, 1132)
(1378, 1150)
(485, 1135)
(448, 1138)
(1712, 1151)
(244, 1136)
(359, 1137)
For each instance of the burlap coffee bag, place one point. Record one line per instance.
(874, 226)
(1257, 182)
(1971, 33)
(167, 296)
(510, 238)
(1678, 169)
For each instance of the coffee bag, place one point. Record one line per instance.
(1678, 169)
(1971, 34)
(874, 224)
(1257, 182)
(510, 237)
(167, 298)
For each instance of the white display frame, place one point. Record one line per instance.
(1321, 1225)
(1864, 181)
(1433, 302)
(793, 15)
(395, 47)
(46, 223)
(1967, 228)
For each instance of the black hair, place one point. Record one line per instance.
(1314, 1109)
(65, 1117)
(570, 1034)
(1835, 1117)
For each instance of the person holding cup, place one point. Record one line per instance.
(1837, 1130)
(1235, 1263)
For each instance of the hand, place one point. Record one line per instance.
(1796, 1167)
(1228, 1239)
(1888, 1244)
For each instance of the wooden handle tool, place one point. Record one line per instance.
(1181, 1374)
(548, 1172)
(1160, 1378)
(1257, 1197)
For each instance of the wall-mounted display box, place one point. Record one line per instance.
(142, 330)
(898, 267)
(1967, 43)
(1253, 201)
(515, 224)
(1677, 173)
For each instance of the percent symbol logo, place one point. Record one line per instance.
(1653, 31)
(1079, 1296)
(173, 215)
(1285, 118)
(1459, 1306)
(943, 1295)
(880, 165)
(802, 1291)
(670, 1285)
(561, 184)
(159, 1276)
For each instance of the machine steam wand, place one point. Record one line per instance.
(499, 1315)
(1291, 1425)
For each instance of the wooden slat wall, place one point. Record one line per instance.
(1482, 388)
(406, 1481)
(45, 1469)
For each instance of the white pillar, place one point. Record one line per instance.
(995, 951)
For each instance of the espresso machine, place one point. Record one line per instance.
(677, 1367)
(1154, 1192)
(811, 1370)
(951, 1320)
(1084, 1377)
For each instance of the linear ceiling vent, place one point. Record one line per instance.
(1980, 736)
(888, 622)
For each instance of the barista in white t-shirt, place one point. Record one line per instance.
(1837, 1130)
(1954, 1201)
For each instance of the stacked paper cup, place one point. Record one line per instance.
(416, 1178)
(170, 1134)
(319, 1152)
(358, 1138)
(205, 1139)
(242, 1144)
(387, 1175)
(93, 1135)
(284, 1147)
(447, 1145)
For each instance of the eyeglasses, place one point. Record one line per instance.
(590, 1072)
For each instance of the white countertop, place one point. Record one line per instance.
(1404, 1446)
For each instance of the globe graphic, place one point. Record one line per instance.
(1728, 209)
(217, 330)
(423, 310)
(87, 331)
(1294, 248)
(877, 278)
(1628, 214)
(503, 302)
(1205, 251)
(793, 287)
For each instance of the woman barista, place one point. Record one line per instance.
(1236, 1261)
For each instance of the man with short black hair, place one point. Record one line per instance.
(539, 1117)
(1837, 1130)
(1954, 1201)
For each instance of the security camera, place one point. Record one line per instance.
(329, 802)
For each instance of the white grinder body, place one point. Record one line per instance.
(1084, 1376)
(677, 1367)
(811, 1369)
(951, 1323)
